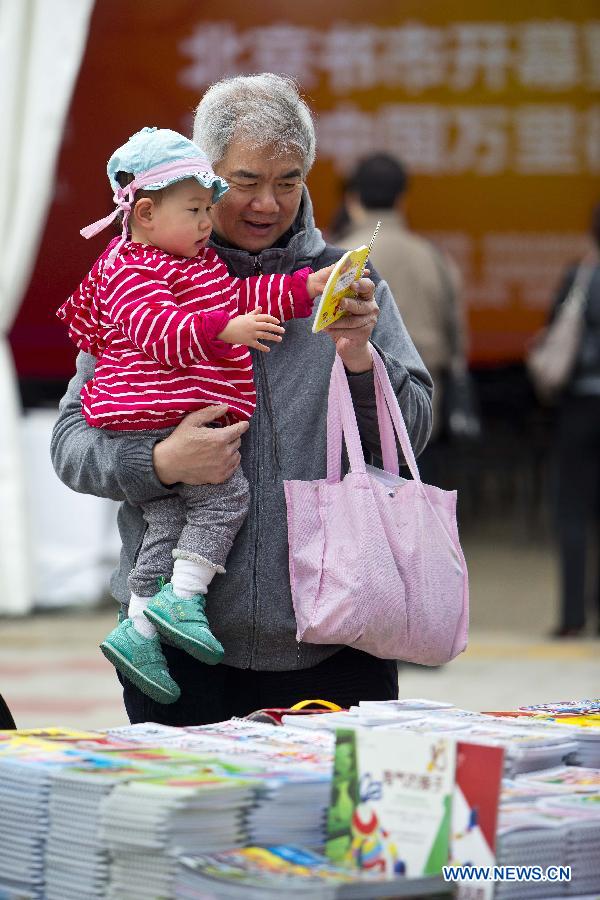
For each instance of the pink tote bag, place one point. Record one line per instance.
(373, 565)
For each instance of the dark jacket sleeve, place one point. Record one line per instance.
(95, 461)
(410, 379)
(562, 292)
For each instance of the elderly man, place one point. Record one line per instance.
(259, 136)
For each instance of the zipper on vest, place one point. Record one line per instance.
(256, 263)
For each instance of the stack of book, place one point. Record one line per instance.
(572, 793)
(77, 861)
(577, 720)
(256, 873)
(24, 789)
(110, 814)
(564, 707)
(26, 767)
(526, 747)
(288, 768)
(586, 732)
(291, 809)
(146, 824)
(551, 818)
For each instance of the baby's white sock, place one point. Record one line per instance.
(144, 626)
(191, 577)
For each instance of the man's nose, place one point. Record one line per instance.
(265, 201)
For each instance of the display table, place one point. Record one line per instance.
(243, 810)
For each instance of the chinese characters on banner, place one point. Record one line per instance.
(514, 100)
(495, 109)
(433, 138)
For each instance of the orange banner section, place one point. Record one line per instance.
(494, 108)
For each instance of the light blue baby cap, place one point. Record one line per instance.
(152, 148)
(156, 157)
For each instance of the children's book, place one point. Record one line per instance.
(347, 270)
(390, 808)
(475, 812)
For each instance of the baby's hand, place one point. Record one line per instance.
(316, 281)
(251, 329)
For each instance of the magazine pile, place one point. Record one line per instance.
(370, 802)
(523, 792)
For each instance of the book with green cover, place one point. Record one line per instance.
(391, 801)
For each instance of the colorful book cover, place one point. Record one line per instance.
(475, 813)
(280, 867)
(568, 779)
(348, 269)
(53, 733)
(391, 802)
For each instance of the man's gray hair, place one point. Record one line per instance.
(261, 109)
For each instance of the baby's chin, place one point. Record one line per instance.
(190, 253)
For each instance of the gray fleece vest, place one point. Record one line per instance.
(250, 607)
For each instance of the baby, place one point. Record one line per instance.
(171, 329)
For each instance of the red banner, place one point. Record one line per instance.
(495, 111)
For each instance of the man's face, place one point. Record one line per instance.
(265, 189)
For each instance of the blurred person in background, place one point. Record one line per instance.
(578, 458)
(425, 282)
(259, 136)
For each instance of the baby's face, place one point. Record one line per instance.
(182, 223)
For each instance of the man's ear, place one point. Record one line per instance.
(143, 212)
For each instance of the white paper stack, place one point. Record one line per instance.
(23, 823)
(527, 745)
(290, 809)
(287, 744)
(285, 871)
(587, 739)
(321, 721)
(76, 859)
(528, 838)
(563, 780)
(369, 714)
(24, 793)
(585, 736)
(551, 818)
(583, 855)
(550, 838)
(146, 824)
(150, 734)
(524, 751)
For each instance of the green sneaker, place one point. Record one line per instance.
(141, 660)
(184, 624)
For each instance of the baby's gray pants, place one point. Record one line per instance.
(197, 522)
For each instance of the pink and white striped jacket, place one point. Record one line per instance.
(152, 321)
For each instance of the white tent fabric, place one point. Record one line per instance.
(41, 46)
(71, 565)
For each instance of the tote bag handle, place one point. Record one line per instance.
(390, 419)
(341, 419)
(385, 397)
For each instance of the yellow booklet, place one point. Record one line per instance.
(348, 269)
